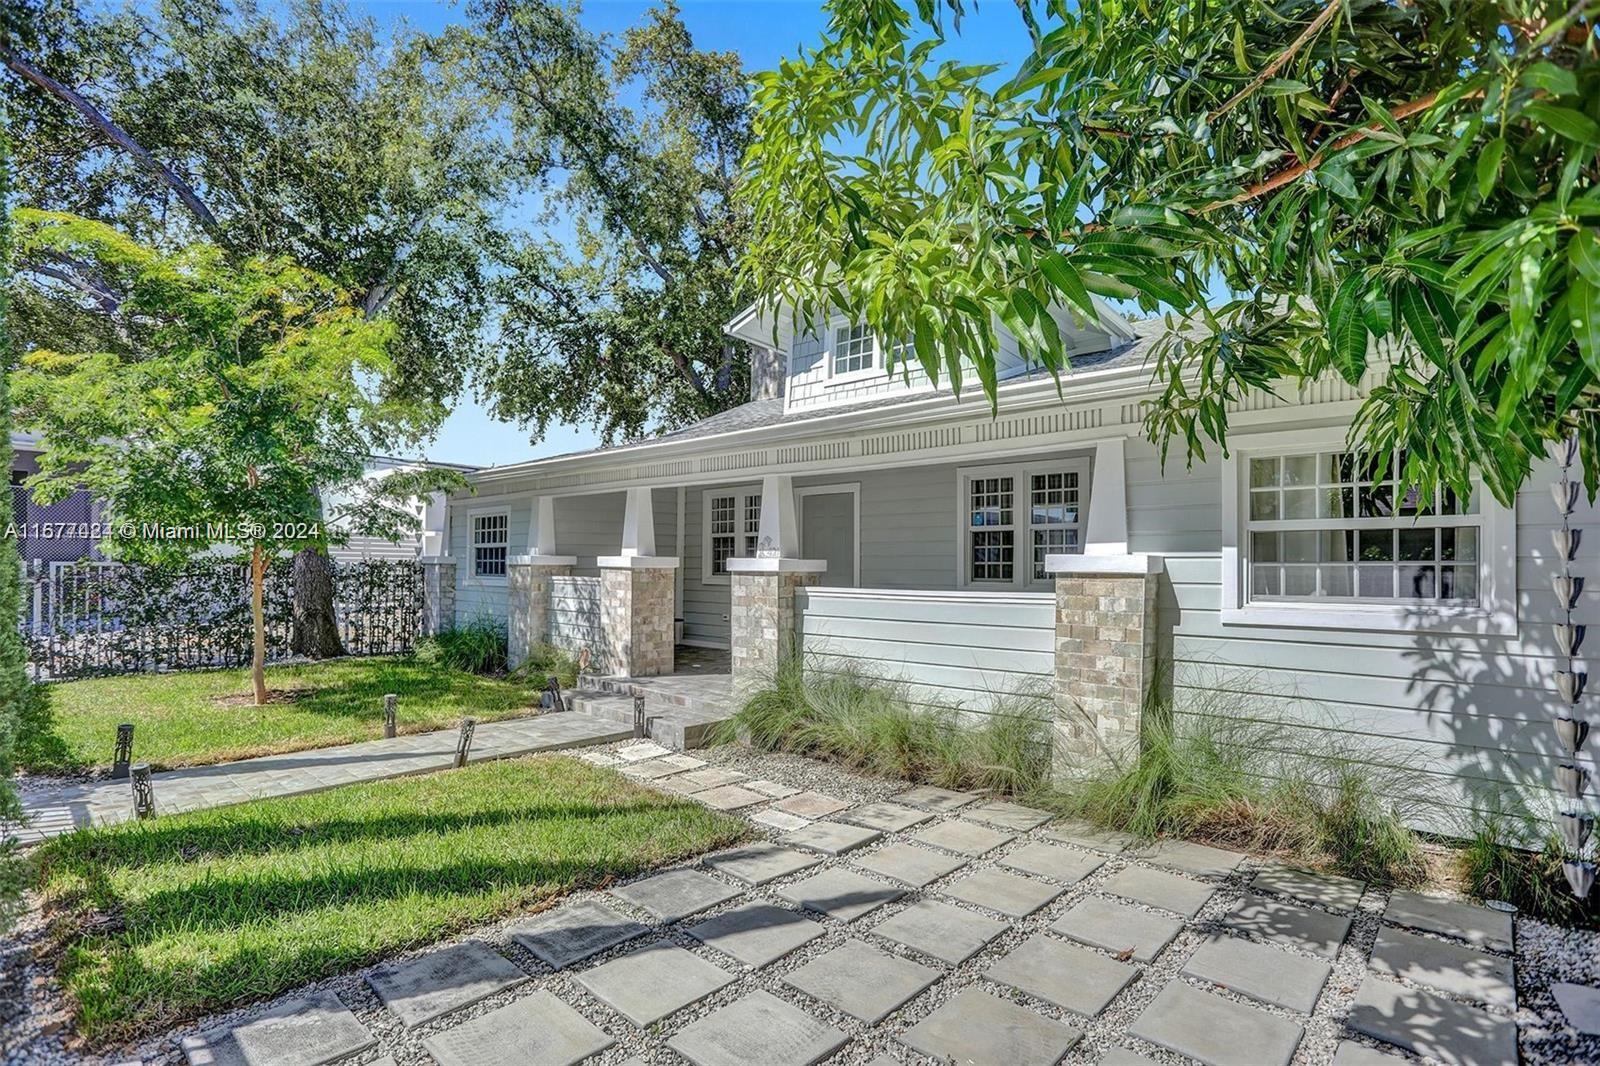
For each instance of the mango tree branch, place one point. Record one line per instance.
(1272, 68)
(117, 135)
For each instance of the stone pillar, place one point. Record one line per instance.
(438, 594)
(528, 601)
(1105, 657)
(762, 619)
(636, 612)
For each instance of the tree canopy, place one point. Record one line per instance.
(1403, 193)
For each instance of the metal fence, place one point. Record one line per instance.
(92, 619)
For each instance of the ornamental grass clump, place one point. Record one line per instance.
(478, 647)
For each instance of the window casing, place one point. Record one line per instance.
(733, 526)
(854, 349)
(491, 536)
(1014, 516)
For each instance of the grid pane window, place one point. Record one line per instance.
(724, 541)
(991, 534)
(852, 349)
(1053, 517)
(490, 536)
(752, 522)
(1337, 526)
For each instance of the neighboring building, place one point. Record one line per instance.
(430, 512)
(1275, 577)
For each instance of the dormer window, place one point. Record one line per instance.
(853, 349)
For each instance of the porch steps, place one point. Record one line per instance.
(681, 717)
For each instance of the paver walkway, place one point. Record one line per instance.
(929, 926)
(57, 808)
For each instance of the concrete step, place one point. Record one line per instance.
(705, 695)
(673, 725)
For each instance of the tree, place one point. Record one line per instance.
(1418, 179)
(620, 322)
(363, 160)
(237, 387)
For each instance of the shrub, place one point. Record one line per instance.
(478, 647)
(547, 660)
(875, 727)
(1495, 866)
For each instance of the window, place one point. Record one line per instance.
(490, 536)
(853, 347)
(733, 526)
(1335, 526)
(1027, 512)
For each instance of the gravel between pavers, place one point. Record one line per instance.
(1544, 954)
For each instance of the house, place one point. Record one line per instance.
(875, 519)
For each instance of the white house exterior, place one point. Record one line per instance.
(914, 533)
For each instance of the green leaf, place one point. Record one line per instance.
(1063, 276)
(1584, 251)
(1557, 81)
(1584, 307)
(1488, 166)
(1347, 334)
(1569, 123)
(1418, 319)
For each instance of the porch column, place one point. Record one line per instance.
(528, 584)
(1105, 657)
(637, 597)
(1106, 527)
(438, 594)
(762, 617)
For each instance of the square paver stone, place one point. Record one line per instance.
(886, 816)
(840, 894)
(645, 986)
(675, 894)
(941, 800)
(1093, 837)
(441, 981)
(573, 932)
(1580, 1004)
(831, 838)
(1063, 974)
(648, 749)
(1191, 858)
(770, 788)
(302, 1032)
(756, 933)
(811, 804)
(1005, 815)
(539, 1029)
(1066, 865)
(650, 769)
(1432, 1026)
(1158, 888)
(915, 866)
(780, 820)
(1117, 927)
(729, 797)
(1010, 894)
(1288, 923)
(947, 933)
(1216, 1031)
(1350, 1053)
(964, 838)
(1461, 971)
(862, 981)
(710, 777)
(1269, 974)
(1483, 926)
(976, 1027)
(758, 1028)
(759, 863)
(1329, 890)
(1121, 1056)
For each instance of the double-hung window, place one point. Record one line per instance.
(491, 534)
(1329, 537)
(1017, 515)
(733, 525)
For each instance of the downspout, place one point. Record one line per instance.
(1575, 823)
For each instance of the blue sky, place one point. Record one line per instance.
(762, 32)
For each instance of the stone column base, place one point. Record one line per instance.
(762, 623)
(637, 596)
(528, 602)
(438, 594)
(1105, 658)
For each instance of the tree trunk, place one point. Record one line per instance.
(258, 623)
(315, 632)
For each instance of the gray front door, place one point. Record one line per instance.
(828, 531)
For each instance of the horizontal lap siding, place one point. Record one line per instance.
(950, 649)
(575, 613)
(1466, 717)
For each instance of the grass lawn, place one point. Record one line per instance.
(163, 921)
(190, 719)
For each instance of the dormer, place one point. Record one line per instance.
(841, 360)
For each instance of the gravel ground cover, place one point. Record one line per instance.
(1544, 954)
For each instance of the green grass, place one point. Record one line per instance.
(164, 921)
(1518, 859)
(206, 717)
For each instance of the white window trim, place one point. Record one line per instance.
(472, 516)
(854, 489)
(878, 369)
(741, 495)
(1022, 578)
(1494, 614)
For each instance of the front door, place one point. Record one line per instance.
(828, 531)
